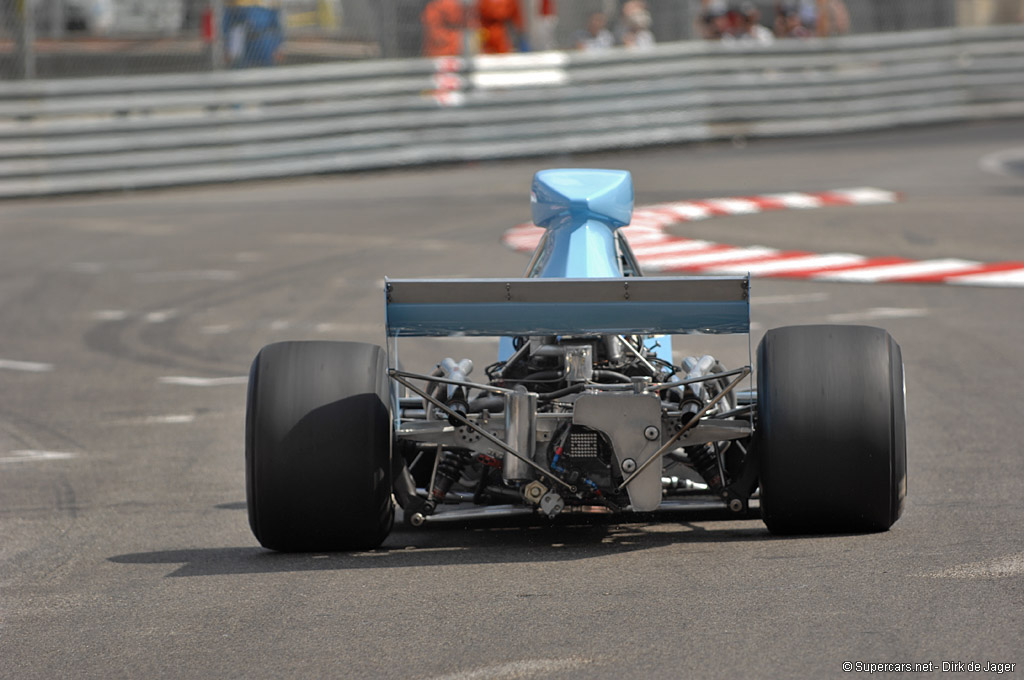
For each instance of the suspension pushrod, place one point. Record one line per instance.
(745, 370)
(479, 430)
(395, 373)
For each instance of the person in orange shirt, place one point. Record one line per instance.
(444, 25)
(495, 17)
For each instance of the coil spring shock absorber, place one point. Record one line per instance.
(449, 470)
(706, 462)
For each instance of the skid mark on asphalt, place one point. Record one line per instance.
(658, 251)
(519, 669)
(25, 366)
(1000, 567)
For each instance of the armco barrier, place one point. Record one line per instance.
(123, 133)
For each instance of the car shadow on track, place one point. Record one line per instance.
(501, 540)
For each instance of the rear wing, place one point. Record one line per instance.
(537, 306)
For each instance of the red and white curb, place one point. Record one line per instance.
(659, 251)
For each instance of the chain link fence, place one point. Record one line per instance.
(79, 38)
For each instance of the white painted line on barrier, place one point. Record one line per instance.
(27, 366)
(879, 313)
(520, 61)
(34, 456)
(203, 382)
(508, 79)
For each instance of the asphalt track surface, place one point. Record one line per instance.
(128, 325)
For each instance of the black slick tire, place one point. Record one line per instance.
(831, 433)
(318, 447)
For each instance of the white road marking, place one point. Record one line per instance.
(704, 259)
(867, 196)
(30, 456)
(216, 329)
(1000, 567)
(899, 271)
(1010, 278)
(518, 670)
(280, 325)
(681, 246)
(191, 275)
(879, 313)
(329, 327)
(734, 206)
(28, 366)
(789, 299)
(172, 419)
(109, 315)
(177, 419)
(797, 200)
(794, 264)
(203, 382)
(161, 316)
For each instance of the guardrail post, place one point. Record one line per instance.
(216, 10)
(26, 59)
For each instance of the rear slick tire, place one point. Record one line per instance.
(831, 433)
(318, 447)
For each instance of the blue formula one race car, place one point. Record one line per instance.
(585, 410)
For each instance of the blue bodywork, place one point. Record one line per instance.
(580, 211)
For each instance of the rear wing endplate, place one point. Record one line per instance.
(537, 306)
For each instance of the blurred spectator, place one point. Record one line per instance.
(716, 21)
(496, 18)
(635, 25)
(444, 26)
(252, 32)
(751, 29)
(544, 27)
(801, 18)
(596, 35)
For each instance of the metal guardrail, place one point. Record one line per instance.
(99, 134)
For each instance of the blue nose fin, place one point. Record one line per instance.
(571, 197)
